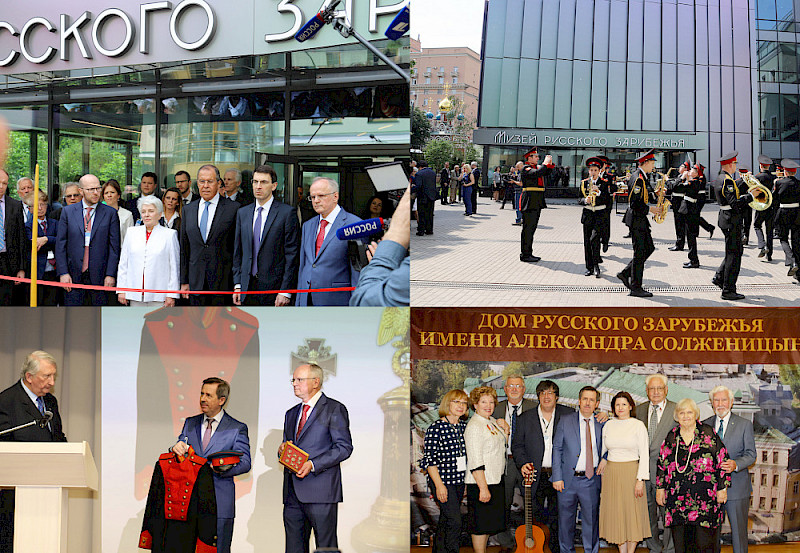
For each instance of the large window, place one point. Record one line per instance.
(28, 144)
(775, 15)
(777, 62)
(779, 116)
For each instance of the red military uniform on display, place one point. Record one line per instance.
(181, 511)
(180, 347)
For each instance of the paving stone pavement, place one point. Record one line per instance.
(474, 262)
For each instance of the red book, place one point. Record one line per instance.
(293, 457)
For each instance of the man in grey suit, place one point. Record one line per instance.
(511, 409)
(657, 416)
(737, 435)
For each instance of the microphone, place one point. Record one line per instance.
(46, 417)
(361, 229)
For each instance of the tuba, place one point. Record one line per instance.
(663, 205)
(591, 194)
(762, 196)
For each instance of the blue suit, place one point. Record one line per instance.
(104, 249)
(330, 268)
(47, 295)
(741, 445)
(230, 435)
(311, 502)
(567, 445)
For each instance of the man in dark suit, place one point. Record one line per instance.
(208, 230)
(732, 204)
(444, 181)
(636, 220)
(510, 410)
(657, 414)
(319, 426)
(148, 186)
(425, 188)
(12, 240)
(88, 246)
(577, 447)
(323, 257)
(266, 245)
(183, 181)
(27, 400)
(47, 234)
(232, 182)
(215, 431)
(737, 435)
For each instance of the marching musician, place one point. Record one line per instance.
(732, 204)
(531, 201)
(705, 225)
(677, 186)
(597, 196)
(787, 219)
(636, 219)
(767, 216)
(690, 210)
(609, 173)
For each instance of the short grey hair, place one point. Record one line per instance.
(659, 376)
(210, 166)
(717, 389)
(686, 403)
(474, 164)
(19, 180)
(515, 375)
(235, 172)
(332, 183)
(315, 371)
(32, 362)
(152, 199)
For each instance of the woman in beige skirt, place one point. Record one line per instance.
(625, 466)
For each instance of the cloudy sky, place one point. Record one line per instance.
(439, 23)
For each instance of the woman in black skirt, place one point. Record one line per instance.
(485, 438)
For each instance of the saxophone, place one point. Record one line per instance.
(663, 205)
(590, 195)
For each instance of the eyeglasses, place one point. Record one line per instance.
(298, 380)
(515, 386)
(94, 189)
(71, 195)
(459, 402)
(656, 388)
(547, 393)
(319, 196)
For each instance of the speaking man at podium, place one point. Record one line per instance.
(28, 400)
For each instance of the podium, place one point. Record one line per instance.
(41, 474)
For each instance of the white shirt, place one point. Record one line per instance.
(85, 207)
(312, 401)
(547, 432)
(626, 440)
(581, 464)
(660, 407)
(212, 208)
(330, 218)
(509, 412)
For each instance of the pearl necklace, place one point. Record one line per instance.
(688, 457)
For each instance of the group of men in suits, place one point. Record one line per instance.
(548, 441)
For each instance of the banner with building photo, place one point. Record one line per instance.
(754, 352)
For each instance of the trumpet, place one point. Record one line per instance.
(591, 194)
(762, 196)
(663, 205)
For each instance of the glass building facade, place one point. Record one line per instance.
(693, 79)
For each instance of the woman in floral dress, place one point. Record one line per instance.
(691, 483)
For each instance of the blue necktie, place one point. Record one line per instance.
(2, 228)
(256, 241)
(719, 430)
(513, 421)
(204, 222)
(40, 404)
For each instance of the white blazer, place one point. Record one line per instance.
(125, 222)
(154, 261)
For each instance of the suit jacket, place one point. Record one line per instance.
(741, 445)
(666, 424)
(426, 185)
(16, 245)
(50, 246)
(209, 262)
(244, 197)
(326, 439)
(638, 206)
(152, 262)
(103, 245)
(277, 255)
(528, 443)
(728, 194)
(230, 435)
(330, 268)
(567, 446)
(17, 408)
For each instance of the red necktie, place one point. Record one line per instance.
(87, 227)
(589, 456)
(320, 236)
(302, 420)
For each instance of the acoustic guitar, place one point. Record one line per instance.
(531, 537)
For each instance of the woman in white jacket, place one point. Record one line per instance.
(149, 259)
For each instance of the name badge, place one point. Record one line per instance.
(87, 236)
(461, 463)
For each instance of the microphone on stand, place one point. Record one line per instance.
(47, 416)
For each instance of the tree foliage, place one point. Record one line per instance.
(420, 129)
(437, 152)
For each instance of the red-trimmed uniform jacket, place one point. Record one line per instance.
(181, 511)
